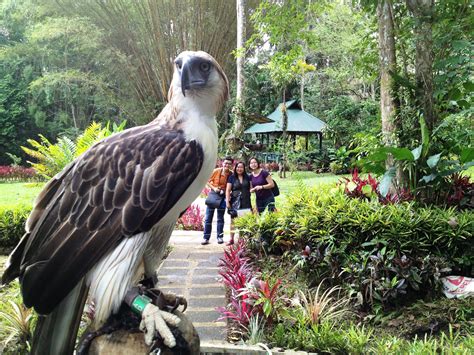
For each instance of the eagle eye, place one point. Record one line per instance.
(179, 64)
(205, 66)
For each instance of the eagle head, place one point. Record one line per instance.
(197, 74)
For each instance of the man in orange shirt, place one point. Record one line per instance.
(217, 183)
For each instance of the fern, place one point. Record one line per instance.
(52, 158)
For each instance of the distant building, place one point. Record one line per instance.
(300, 123)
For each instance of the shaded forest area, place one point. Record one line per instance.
(65, 64)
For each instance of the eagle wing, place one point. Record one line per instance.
(120, 187)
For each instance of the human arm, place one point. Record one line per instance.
(269, 184)
(211, 183)
(227, 194)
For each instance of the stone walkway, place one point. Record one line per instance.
(191, 270)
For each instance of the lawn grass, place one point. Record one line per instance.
(290, 183)
(19, 193)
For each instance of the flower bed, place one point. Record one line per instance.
(18, 173)
(192, 219)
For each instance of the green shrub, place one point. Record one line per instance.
(385, 255)
(332, 338)
(12, 225)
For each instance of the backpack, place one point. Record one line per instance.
(275, 189)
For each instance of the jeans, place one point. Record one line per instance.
(220, 221)
(268, 202)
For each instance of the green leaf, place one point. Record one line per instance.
(386, 182)
(417, 152)
(428, 178)
(401, 153)
(467, 155)
(267, 308)
(367, 190)
(469, 86)
(455, 94)
(433, 160)
(380, 155)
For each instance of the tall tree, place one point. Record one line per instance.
(240, 53)
(423, 11)
(388, 64)
(149, 33)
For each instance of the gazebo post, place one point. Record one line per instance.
(320, 134)
(306, 140)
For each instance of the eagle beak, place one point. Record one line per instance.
(192, 75)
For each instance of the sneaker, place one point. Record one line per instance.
(220, 240)
(205, 242)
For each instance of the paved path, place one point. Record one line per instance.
(191, 270)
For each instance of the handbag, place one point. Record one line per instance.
(275, 189)
(235, 200)
(213, 199)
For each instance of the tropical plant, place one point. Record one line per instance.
(12, 225)
(17, 321)
(52, 158)
(236, 273)
(317, 306)
(427, 176)
(358, 187)
(384, 254)
(17, 173)
(192, 219)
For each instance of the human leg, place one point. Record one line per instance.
(220, 225)
(232, 233)
(208, 222)
(260, 205)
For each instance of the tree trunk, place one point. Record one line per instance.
(388, 103)
(240, 101)
(284, 117)
(388, 63)
(423, 11)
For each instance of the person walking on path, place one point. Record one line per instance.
(262, 183)
(237, 196)
(218, 184)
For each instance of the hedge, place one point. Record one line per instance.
(383, 254)
(12, 225)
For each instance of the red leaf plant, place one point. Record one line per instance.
(356, 186)
(15, 173)
(236, 272)
(461, 192)
(192, 219)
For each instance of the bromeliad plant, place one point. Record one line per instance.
(236, 272)
(265, 298)
(249, 296)
(317, 306)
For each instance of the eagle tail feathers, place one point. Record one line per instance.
(56, 332)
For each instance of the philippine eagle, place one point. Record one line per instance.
(103, 223)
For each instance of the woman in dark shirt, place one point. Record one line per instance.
(262, 183)
(237, 194)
